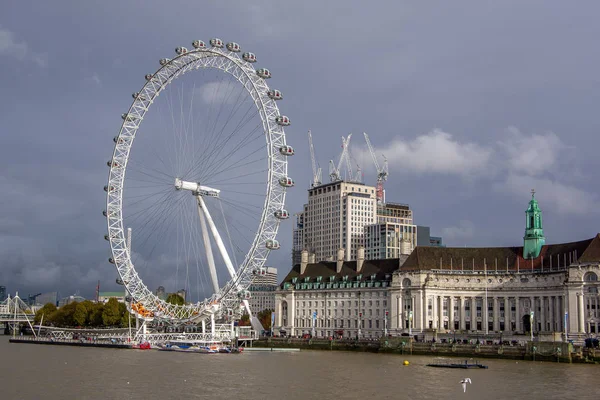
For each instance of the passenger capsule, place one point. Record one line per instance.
(148, 77)
(119, 281)
(106, 237)
(286, 150)
(104, 213)
(112, 164)
(249, 57)
(128, 117)
(164, 61)
(107, 188)
(111, 260)
(181, 50)
(282, 120)
(281, 214)
(216, 42)
(198, 44)
(264, 73)
(286, 181)
(272, 244)
(128, 299)
(260, 271)
(244, 294)
(232, 46)
(275, 94)
(138, 96)
(116, 139)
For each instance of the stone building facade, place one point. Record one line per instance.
(497, 290)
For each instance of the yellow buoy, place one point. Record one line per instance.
(406, 362)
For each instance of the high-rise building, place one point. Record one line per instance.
(45, 298)
(298, 238)
(393, 235)
(2, 293)
(182, 293)
(334, 219)
(263, 289)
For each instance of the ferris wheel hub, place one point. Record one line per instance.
(196, 188)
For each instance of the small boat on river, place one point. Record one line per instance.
(465, 365)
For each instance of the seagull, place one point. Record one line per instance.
(464, 383)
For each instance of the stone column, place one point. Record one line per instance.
(507, 327)
(400, 322)
(292, 314)
(441, 312)
(451, 313)
(535, 313)
(581, 313)
(557, 314)
(496, 315)
(463, 312)
(518, 320)
(543, 312)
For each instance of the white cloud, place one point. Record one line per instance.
(435, 152)
(94, 79)
(225, 92)
(559, 197)
(464, 230)
(531, 155)
(9, 46)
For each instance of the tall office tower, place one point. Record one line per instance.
(335, 217)
(393, 235)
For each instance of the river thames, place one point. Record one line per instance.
(37, 372)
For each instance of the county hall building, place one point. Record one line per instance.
(494, 290)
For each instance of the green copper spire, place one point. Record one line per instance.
(534, 233)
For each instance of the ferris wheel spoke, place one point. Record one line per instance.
(230, 154)
(239, 163)
(220, 145)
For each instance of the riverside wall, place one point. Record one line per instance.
(535, 351)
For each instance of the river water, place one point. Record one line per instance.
(29, 371)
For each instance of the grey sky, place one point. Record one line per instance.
(473, 102)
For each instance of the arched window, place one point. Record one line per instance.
(590, 277)
(593, 290)
(406, 282)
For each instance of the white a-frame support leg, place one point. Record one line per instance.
(217, 238)
(220, 245)
(207, 246)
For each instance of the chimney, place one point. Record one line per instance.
(303, 261)
(360, 260)
(340, 260)
(312, 258)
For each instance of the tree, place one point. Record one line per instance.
(244, 320)
(111, 315)
(265, 318)
(95, 314)
(124, 315)
(81, 314)
(46, 311)
(64, 315)
(176, 299)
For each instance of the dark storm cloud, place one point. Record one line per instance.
(473, 102)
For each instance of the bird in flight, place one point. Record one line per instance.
(464, 383)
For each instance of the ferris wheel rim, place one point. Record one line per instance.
(267, 229)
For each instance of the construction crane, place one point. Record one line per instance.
(317, 173)
(382, 173)
(334, 170)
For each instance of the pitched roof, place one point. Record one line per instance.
(327, 269)
(502, 258)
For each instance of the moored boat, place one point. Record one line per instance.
(465, 365)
